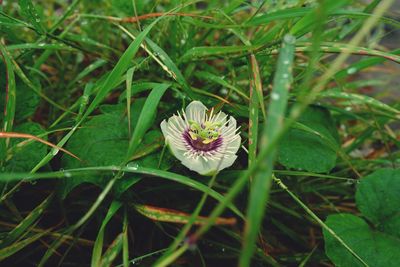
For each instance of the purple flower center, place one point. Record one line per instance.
(198, 144)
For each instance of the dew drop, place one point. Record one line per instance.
(351, 70)
(132, 166)
(275, 96)
(67, 174)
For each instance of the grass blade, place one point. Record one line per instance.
(262, 179)
(144, 120)
(98, 245)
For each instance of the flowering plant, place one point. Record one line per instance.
(203, 141)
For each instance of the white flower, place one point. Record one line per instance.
(205, 143)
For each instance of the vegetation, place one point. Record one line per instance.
(87, 178)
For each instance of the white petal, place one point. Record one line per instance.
(220, 117)
(173, 139)
(196, 111)
(227, 162)
(164, 129)
(200, 165)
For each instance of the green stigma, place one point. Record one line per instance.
(207, 132)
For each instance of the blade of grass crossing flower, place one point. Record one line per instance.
(11, 99)
(262, 179)
(143, 124)
(98, 245)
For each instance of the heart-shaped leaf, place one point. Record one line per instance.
(310, 150)
(378, 198)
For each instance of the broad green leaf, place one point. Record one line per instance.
(303, 150)
(24, 154)
(378, 199)
(102, 141)
(378, 243)
(377, 249)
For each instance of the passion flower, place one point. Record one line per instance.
(204, 142)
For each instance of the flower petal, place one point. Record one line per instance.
(196, 111)
(227, 162)
(200, 165)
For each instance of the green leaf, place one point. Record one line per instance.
(27, 100)
(378, 199)
(25, 154)
(145, 119)
(375, 248)
(304, 150)
(104, 140)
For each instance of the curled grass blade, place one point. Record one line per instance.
(35, 138)
(174, 216)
